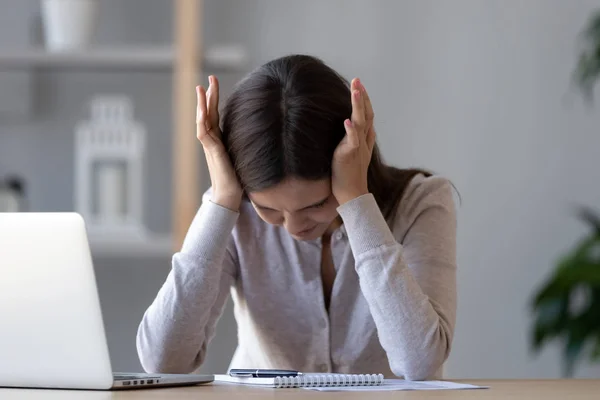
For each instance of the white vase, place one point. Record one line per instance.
(68, 24)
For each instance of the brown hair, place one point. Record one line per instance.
(286, 118)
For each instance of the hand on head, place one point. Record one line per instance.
(227, 191)
(352, 156)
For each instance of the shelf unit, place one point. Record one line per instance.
(186, 60)
(152, 246)
(159, 58)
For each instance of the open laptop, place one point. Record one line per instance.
(51, 329)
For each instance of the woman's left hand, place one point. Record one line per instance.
(352, 156)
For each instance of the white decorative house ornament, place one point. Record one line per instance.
(109, 153)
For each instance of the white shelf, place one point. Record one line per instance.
(152, 246)
(140, 58)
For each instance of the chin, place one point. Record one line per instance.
(313, 234)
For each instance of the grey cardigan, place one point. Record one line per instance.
(393, 302)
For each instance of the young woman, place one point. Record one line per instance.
(335, 261)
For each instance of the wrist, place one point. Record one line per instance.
(231, 202)
(343, 198)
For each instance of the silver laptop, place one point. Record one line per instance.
(51, 329)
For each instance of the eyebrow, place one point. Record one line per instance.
(318, 203)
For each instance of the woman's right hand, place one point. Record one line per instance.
(226, 189)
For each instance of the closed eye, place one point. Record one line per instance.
(264, 208)
(312, 206)
(319, 205)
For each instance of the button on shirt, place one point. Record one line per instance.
(393, 300)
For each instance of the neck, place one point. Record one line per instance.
(336, 223)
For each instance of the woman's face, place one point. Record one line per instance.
(305, 208)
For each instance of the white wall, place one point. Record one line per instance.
(477, 90)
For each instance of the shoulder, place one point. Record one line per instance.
(425, 195)
(422, 192)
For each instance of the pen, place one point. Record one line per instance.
(262, 373)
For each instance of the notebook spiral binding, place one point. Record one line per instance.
(321, 380)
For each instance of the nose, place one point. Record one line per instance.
(294, 223)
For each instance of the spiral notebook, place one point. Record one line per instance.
(307, 380)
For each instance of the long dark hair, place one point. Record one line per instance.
(286, 118)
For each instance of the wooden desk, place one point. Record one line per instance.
(499, 389)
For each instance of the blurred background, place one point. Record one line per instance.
(476, 90)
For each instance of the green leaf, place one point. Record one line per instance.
(583, 251)
(539, 336)
(574, 344)
(585, 273)
(588, 67)
(595, 354)
(577, 272)
(590, 216)
(591, 33)
(550, 291)
(595, 306)
(569, 274)
(585, 75)
(572, 349)
(551, 318)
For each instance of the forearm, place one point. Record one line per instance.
(175, 330)
(414, 328)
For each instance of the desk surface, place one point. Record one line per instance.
(499, 389)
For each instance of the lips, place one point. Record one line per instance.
(304, 232)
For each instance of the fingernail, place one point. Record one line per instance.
(210, 79)
(348, 123)
(356, 94)
(197, 90)
(360, 85)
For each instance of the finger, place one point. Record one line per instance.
(201, 114)
(213, 102)
(358, 110)
(351, 133)
(201, 106)
(369, 114)
(355, 84)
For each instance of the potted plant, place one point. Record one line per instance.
(567, 306)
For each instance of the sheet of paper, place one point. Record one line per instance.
(400, 384)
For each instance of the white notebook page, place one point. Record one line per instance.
(400, 384)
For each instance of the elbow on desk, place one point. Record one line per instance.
(417, 373)
(422, 366)
(156, 363)
(419, 370)
(157, 359)
(424, 359)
